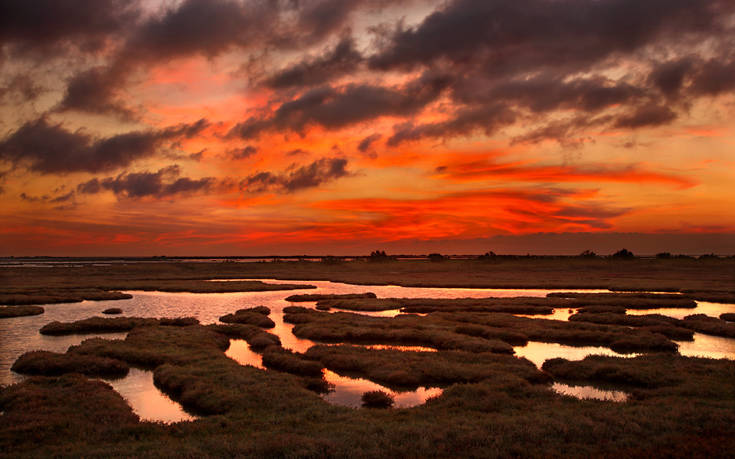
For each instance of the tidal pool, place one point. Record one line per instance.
(149, 403)
(20, 334)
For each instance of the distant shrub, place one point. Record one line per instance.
(487, 256)
(435, 257)
(112, 311)
(663, 255)
(330, 260)
(588, 254)
(379, 255)
(377, 399)
(708, 256)
(623, 253)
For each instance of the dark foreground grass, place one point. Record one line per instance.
(253, 316)
(44, 363)
(408, 370)
(20, 311)
(728, 316)
(251, 412)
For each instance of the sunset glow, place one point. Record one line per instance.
(247, 127)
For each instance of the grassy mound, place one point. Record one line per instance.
(52, 364)
(20, 311)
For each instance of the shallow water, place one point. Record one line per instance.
(20, 334)
(589, 392)
(348, 392)
(538, 353)
(149, 403)
(703, 307)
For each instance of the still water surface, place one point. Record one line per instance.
(19, 335)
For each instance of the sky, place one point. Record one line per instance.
(258, 127)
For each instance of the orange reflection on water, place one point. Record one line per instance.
(146, 400)
(240, 352)
(538, 353)
(589, 392)
(348, 392)
(713, 347)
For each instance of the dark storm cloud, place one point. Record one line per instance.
(50, 148)
(95, 91)
(526, 58)
(486, 118)
(368, 141)
(20, 87)
(43, 24)
(242, 153)
(297, 178)
(334, 108)
(207, 27)
(545, 93)
(538, 33)
(164, 183)
(340, 60)
(714, 77)
(46, 198)
(648, 115)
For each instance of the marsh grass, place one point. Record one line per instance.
(655, 323)
(57, 295)
(574, 333)
(95, 325)
(709, 325)
(265, 413)
(46, 363)
(676, 374)
(278, 358)
(409, 370)
(346, 327)
(112, 311)
(322, 297)
(377, 399)
(271, 414)
(728, 316)
(20, 311)
(256, 337)
(253, 316)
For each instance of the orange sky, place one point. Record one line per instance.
(236, 127)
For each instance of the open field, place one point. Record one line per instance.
(493, 403)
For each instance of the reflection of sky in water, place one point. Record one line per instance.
(589, 392)
(714, 347)
(19, 335)
(538, 353)
(146, 400)
(348, 392)
(703, 307)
